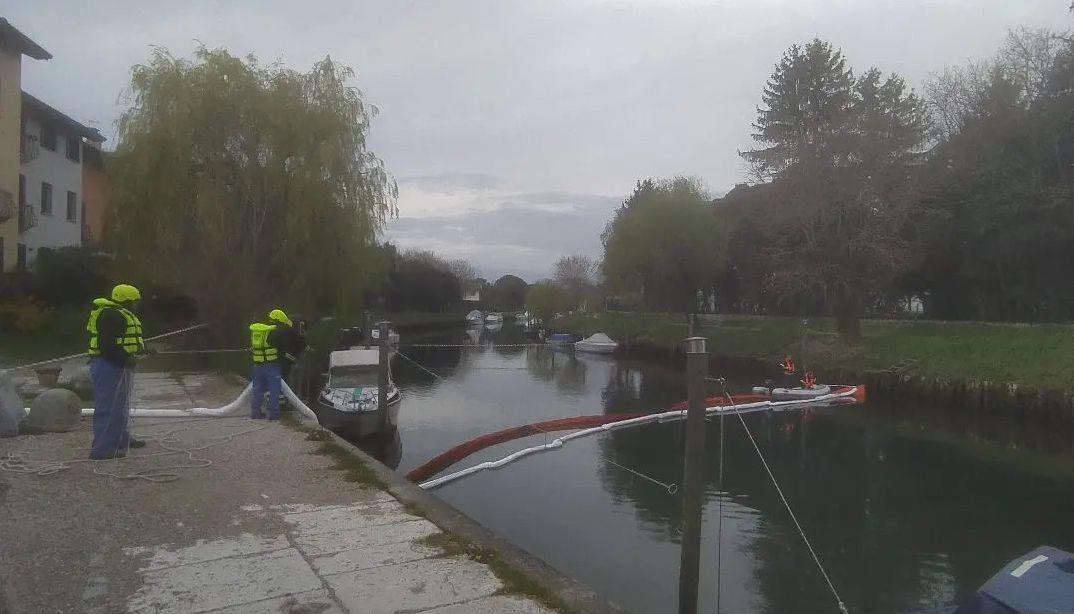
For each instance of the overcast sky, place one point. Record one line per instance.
(515, 128)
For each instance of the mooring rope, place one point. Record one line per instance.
(473, 345)
(786, 504)
(671, 488)
(73, 356)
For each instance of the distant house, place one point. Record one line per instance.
(50, 179)
(43, 150)
(13, 46)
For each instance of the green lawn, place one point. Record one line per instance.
(1028, 355)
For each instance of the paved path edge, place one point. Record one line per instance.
(572, 593)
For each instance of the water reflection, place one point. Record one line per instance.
(908, 506)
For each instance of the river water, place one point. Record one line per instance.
(907, 506)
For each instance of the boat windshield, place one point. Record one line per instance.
(353, 377)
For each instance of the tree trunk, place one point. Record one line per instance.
(848, 312)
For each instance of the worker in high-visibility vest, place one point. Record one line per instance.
(266, 342)
(115, 341)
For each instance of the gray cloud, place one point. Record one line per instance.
(502, 104)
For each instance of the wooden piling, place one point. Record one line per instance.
(697, 361)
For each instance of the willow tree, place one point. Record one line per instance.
(245, 186)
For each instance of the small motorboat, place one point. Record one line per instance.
(494, 318)
(1039, 581)
(348, 401)
(475, 317)
(598, 343)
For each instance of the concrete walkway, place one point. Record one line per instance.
(255, 523)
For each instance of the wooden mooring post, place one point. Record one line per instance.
(367, 330)
(384, 346)
(697, 363)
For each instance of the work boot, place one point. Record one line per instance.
(135, 443)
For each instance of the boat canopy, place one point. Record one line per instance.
(1041, 581)
(598, 338)
(475, 315)
(354, 358)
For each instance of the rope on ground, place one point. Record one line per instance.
(671, 488)
(787, 505)
(73, 356)
(169, 440)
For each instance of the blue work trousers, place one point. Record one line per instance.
(266, 378)
(111, 408)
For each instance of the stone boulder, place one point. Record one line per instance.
(12, 410)
(54, 411)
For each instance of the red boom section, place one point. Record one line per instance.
(461, 451)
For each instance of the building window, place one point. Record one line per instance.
(48, 136)
(72, 207)
(46, 198)
(22, 190)
(20, 258)
(74, 148)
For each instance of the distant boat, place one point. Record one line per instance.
(598, 343)
(475, 317)
(561, 339)
(494, 318)
(348, 401)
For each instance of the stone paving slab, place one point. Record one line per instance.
(415, 586)
(368, 558)
(200, 587)
(497, 604)
(313, 602)
(259, 524)
(363, 537)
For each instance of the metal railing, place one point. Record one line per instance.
(28, 148)
(7, 206)
(27, 217)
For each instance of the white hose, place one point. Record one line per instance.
(233, 407)
(604, 428)
(210, 412)
(296, 402)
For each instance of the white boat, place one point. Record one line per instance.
(794, 394)
(494, 318)
(348, 401)
(598, 343)
(475, 317)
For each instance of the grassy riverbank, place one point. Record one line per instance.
(1040, 356)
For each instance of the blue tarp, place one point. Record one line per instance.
(1041, 582)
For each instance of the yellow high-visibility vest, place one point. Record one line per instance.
(260, 347)
(131, 341)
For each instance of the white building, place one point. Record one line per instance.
(50, 179)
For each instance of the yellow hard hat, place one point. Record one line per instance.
(125, 292)
(279, 316)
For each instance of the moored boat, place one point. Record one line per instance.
(348, 401)
(598, 343)
(561, 339)
(494, 318)
(475, 317)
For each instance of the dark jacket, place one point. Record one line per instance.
(111, 325)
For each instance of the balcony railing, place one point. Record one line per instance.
(7, 206)
(28, 148)
(27, 217)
